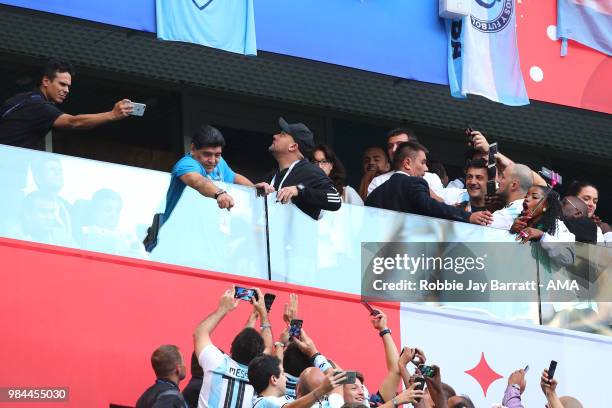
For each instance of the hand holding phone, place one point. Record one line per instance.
(268, 300)
(373, 312)
(139, 109)
(245, 294)
(426, 370)
(420, 385)
(551, 369)
(351, 377)
(468, 133)
(295, 328)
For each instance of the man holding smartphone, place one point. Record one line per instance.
(226, 376)
(26, 118)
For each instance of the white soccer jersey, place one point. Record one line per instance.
(225, 383)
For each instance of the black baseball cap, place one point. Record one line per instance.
(300, 133)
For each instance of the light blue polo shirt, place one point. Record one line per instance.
(187, 164)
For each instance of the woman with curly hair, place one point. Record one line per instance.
(541, 217)
(324, 157)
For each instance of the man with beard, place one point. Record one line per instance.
(514, 182)
(375, 162)
(296, 179)
(169, 367)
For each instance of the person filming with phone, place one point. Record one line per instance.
(26, 118)
(226, 376)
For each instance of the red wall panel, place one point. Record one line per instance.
(90, 321)
(581, 79)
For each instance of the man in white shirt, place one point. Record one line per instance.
(514, 182)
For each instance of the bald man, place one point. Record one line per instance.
(570, 402)
(514, 182)
(312, 378)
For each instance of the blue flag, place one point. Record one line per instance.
(588, 22)
(225, 24)
(483, 55)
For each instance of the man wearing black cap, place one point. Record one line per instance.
(296, 179)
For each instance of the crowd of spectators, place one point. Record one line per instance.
(289, 371)
(494, 191)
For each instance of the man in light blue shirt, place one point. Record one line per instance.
(199, 167)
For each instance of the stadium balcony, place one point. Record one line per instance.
(83, 300)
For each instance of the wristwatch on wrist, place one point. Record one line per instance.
(383, 332)
(219, 192)
(395, 403)
(279, 344)
(300, 188)
(518, 387)
(265, 326)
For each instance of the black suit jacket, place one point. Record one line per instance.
(411, 194)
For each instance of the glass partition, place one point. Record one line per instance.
(585, 303)
(199, 234)
(327, 253)
(91, 205)
(103, 207)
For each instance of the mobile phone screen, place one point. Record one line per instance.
(139, 109)
(295, 328)
(426, 370)
(244, 293)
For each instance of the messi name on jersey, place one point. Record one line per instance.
(238, 373)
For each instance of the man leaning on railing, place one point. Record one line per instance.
(297, 180)
(198, 169)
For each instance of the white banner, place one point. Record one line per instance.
(457, 342)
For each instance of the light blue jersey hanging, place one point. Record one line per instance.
(225, 24)
(483, 56)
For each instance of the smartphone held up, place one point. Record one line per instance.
(245, 294)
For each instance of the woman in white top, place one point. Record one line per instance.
(324, 157)
(541, 218)
(590, 195)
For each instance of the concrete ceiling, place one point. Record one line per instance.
(301, 82)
